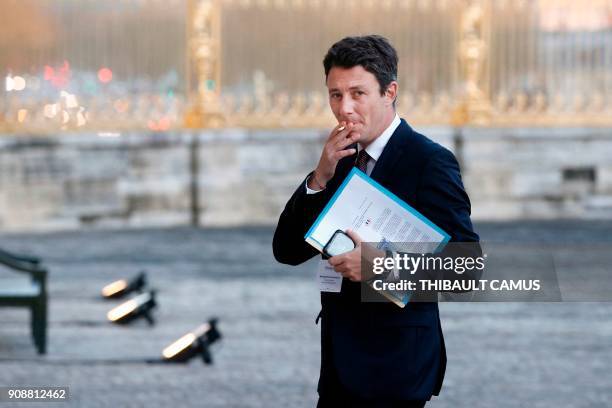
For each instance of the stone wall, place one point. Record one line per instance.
(245, 177)
(539, 173)
(85, 179)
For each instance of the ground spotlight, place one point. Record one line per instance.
(140, 306)
(197, 342)
(122, 287)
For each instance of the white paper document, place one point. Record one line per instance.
(377, 216)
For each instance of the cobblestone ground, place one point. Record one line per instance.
(500, 354)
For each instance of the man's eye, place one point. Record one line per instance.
(359, 93)
(335, 96)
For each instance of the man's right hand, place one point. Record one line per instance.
(343, 135)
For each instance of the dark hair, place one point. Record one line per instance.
(373, 52)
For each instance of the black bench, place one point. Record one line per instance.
(32, 296)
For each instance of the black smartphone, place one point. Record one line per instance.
(339, 243)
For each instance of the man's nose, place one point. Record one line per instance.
(347, 108)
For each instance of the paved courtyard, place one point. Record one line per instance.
(500, 354)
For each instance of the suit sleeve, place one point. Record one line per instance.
(300, 212)
(443, 199)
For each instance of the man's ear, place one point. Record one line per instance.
(391, 93)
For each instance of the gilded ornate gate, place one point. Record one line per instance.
(160, 65)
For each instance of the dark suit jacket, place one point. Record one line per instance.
(378, 350)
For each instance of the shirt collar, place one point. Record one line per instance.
(375, 148)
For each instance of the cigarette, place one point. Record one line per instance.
(341, 128)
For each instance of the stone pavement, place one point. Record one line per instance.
(500, 354)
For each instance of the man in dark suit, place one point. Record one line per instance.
(374, 354)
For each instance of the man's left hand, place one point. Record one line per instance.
(348, 264)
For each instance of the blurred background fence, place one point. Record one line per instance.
(161, 65)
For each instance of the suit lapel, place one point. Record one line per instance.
(383, 170)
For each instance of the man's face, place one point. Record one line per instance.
(354, 96)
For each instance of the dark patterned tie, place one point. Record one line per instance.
(362, 160)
